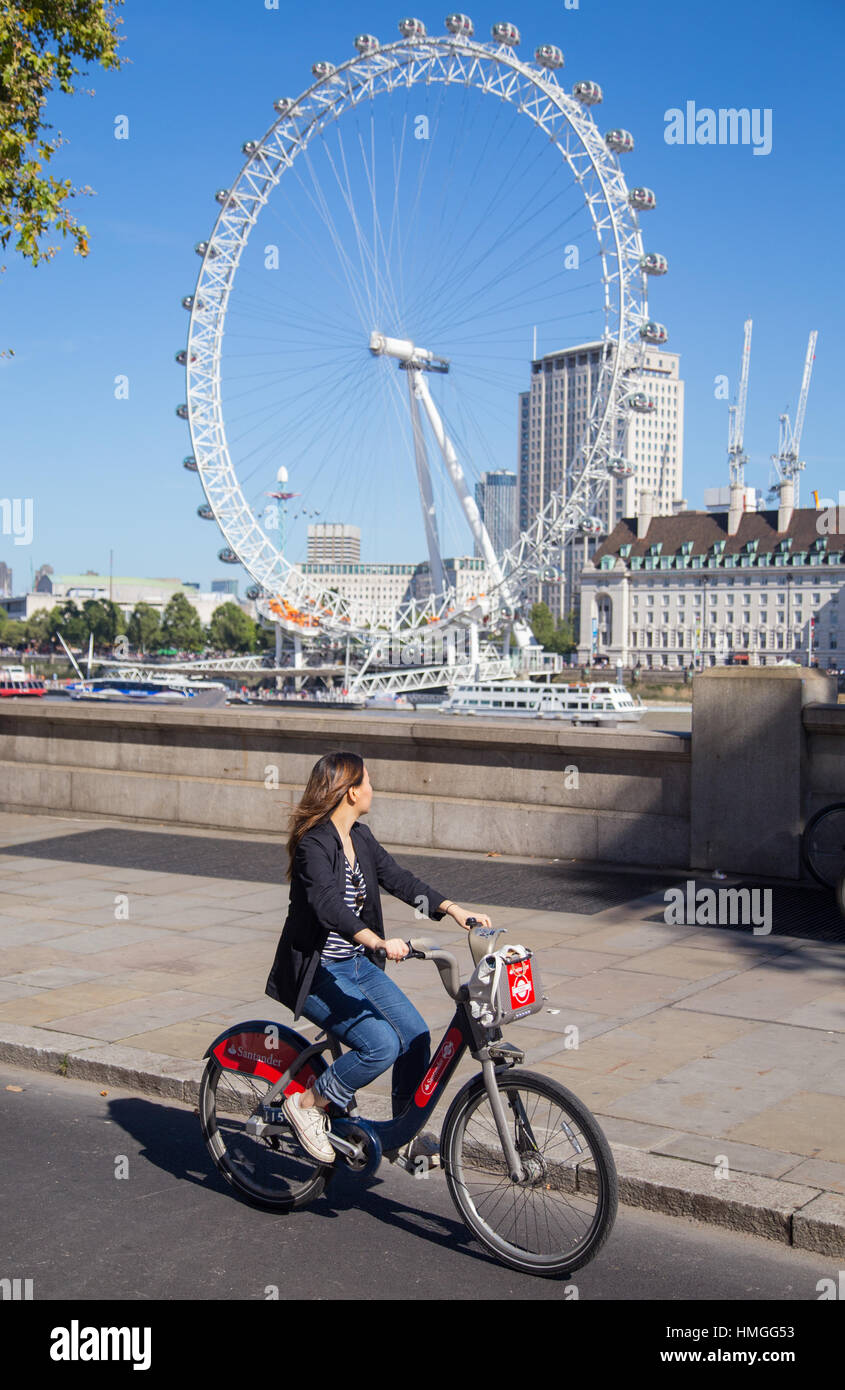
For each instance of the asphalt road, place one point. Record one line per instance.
(172, 1229)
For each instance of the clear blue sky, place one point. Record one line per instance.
(745, 235)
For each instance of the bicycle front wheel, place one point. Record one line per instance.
(560, 1214)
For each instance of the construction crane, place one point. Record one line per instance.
(786, 463)
(736, 416)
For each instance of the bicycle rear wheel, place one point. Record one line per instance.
(271, 1171)
(559, 1216)
(823, 844)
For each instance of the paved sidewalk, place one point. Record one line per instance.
(714, 1058)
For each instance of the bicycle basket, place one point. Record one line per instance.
(504, 986)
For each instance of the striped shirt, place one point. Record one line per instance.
(339, 947)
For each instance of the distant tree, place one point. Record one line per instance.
(265, 638)
(14, 633)
(144, 628)
(72, 625)
(181, 627)
(231, 630)
(40, 43)
(41, 627)
(104, 619)
(542, 623)
(554, 637)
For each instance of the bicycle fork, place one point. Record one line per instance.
(516, 1172)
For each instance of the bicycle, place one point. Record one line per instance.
(823, 844)
(508, 1133)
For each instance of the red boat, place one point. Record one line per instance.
(15, 681)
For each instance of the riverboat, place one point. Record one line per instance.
(598, 702)
(15, 681)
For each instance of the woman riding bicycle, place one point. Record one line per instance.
(324, 967)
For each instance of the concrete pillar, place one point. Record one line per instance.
(736, 507)
(749, 767)
(786, 504)
(629, 502)
(645, 513)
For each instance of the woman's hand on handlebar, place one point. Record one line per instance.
(395, 949)
(468, 919)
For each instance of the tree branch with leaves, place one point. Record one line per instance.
(41, 44)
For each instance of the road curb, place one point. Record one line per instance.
(808, 1218)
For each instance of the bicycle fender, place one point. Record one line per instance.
(259, 1046)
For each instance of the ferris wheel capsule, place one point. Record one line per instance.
(205, 512)
(549, 56)
(228, 556)
(642, 200)
(412, 28)
(461, 25)
(223, 195)
(190, 303)
(622, 468)
(253, 592)
(620, 141)
(206, 248)
(366, 43)
(249, 147)
(283, 105)
(182, 357)
(654, 264)
(322, 69)
(182, 412)
(588, 93)
(591, 526)
(507, 34)
(191, 464)
(654, 332)
(643, 404)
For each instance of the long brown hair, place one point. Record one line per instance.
(330, 780)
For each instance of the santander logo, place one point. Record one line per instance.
(444, 1056)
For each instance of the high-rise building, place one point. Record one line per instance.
(717, 499)
(5, 578)
(496, 498)
(553, 417)
(334, 543)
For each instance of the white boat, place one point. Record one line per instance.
(168, 690)
(599, 702)
(388, 701)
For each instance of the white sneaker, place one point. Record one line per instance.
(425, 1145)
(310, 1126)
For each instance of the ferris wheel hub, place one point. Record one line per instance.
(407, 353)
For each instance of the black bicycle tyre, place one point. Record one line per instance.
(219, 1150)
(562, 1263)
(826, 876)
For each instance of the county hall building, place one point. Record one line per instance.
(708, 588)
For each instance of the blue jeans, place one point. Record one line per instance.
(363, 1007)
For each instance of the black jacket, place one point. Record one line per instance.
(317, 905)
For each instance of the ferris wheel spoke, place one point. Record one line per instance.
(320, 203)
(366, 253)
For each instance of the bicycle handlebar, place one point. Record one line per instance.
(421, 948)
